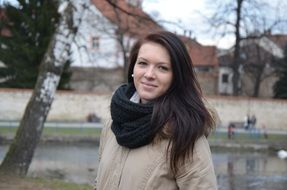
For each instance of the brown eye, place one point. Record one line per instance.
(163, 68)
(142, 63)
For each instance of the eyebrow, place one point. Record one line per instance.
(144, 59)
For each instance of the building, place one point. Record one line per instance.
(107, 32)
(116, 27)
(257, 75)
(205, 62)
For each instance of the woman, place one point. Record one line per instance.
(157, 139)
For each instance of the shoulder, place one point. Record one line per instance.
(201, 147)
(198, 172)
(106, 128)
(201, 158)
(105, 135)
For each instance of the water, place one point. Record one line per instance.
(234, 170)
(75, 163)
(250, 170)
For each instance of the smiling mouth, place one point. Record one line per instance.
(149, 85)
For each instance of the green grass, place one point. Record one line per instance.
(248, 137)
(60, 185)
(95, 132)
(8, 182)
(61, 131)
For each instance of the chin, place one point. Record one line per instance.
(147, 98)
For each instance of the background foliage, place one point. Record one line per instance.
(31, 26)
(280, 87)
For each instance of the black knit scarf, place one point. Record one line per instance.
(131, 121)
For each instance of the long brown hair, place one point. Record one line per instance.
(181, 108)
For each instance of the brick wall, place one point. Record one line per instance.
(77, 106)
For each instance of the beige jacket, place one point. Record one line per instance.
(146, 168)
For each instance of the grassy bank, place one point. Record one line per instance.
(94, 133)
(58, 131)
(216, 139)
(27, 183)
(248, 137)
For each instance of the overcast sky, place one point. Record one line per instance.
(191, 13)
(187, 13)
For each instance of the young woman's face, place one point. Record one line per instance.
(152, 71)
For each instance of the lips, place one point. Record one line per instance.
(149, 84)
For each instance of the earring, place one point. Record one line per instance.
(133, 75)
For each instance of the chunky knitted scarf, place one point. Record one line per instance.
(131, 121)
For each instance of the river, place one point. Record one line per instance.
(242, 170)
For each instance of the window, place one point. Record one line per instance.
(95, 42)
(202, 69)
(224, 78)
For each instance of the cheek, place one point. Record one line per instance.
(136, 76)
(168, 82)
(138, 72)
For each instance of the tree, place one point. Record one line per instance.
(241, 18)
(257, 54)
(280, 87)
(255, 67)
(21, 151)
(31, 26)
(122, 23)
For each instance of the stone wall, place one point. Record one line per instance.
(75, 106)
(67, 106)
(266, 86)
(208, 82)
(269, 112)
(92, 79)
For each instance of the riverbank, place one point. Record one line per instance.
(219, 139)
(55, 155)
(83, 132)
(76, 163)
(28, 183)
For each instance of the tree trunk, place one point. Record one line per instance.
(257, 85)
(21, 151)
(236, 60)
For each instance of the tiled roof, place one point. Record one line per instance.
(2, 13)
(131, 20)
(279, 39)
(135, 22)
(201, 55)
(138, 23)
(3, 31)
(249, 48)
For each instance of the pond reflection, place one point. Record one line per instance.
(250, 170)
(75, 163)
(234, 170)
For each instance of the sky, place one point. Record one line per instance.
(192, 13)
(185, 12)
(189, 14)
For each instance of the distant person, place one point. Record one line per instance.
(157, 139)
(247, 122)
(265, 134)
(230, 131)
(253, 121)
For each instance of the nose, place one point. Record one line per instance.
(149, 74)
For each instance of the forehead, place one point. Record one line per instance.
(154, 51)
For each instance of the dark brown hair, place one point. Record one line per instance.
(181, 108)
